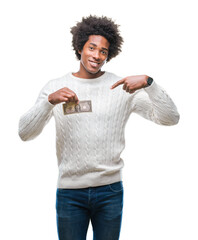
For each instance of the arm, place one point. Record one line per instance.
(151, 102)
(154, 104)
(32, 122)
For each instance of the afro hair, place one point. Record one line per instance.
(93, 25)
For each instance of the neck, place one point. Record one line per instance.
(83, 73)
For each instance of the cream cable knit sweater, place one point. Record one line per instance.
(89, 144)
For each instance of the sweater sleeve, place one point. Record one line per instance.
(33, 121)
(154, 104)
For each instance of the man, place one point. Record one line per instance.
(91, 108)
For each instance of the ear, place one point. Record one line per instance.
(80, 51)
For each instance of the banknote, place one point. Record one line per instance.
(73, 107)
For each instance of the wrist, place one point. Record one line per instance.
(50, 99)
(149, 81)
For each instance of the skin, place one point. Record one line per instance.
(132, 83)
(95, 50)
(93, 57)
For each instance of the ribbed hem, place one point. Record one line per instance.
(89, 180)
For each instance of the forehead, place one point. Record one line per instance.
(98, 40)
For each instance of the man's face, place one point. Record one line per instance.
(94, 53)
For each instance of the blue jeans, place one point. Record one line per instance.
(102, 205)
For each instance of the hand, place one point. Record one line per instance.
(63, 95)
(132, 83)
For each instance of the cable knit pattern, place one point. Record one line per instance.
(89, 144)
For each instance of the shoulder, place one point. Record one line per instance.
(59, 79)
(57, 83)
(113, 76)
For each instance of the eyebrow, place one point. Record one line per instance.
(96, 46)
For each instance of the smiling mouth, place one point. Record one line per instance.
(94, 64)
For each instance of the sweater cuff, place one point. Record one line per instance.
(152, 89)
(47, 104)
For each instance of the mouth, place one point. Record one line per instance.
(94, 64)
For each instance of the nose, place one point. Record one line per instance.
(96, 55)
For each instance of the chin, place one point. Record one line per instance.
(92, 71)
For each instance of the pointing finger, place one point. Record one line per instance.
(118, 83)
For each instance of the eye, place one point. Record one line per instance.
(91, 48)
(104, 52)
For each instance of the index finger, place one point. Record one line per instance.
(118, 83)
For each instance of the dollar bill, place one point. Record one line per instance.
(73, 107)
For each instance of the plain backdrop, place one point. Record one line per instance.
(160, 174)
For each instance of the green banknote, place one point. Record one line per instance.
(73, 107)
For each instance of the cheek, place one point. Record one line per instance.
(84, 56)
(104, 62)
(84, 61)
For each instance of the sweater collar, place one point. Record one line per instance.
(90, 80)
